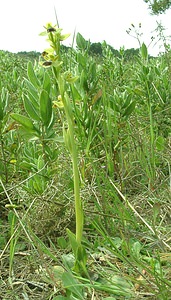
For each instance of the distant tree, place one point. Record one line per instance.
(96, 48)
(131, 53)
(114, 51)
(158, 6)
(65, 48)
(29, 55)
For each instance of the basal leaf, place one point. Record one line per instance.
(73, 241)
(71, 284)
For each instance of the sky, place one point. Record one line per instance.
(21, 21)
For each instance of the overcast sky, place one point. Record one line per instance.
(21, 21)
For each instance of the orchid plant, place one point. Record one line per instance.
(51, 58)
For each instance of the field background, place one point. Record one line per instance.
(121, 117)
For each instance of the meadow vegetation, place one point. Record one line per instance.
(85, 172)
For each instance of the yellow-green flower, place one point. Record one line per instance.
(69, 77)
(58, 103)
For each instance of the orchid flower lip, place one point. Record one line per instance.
(51, 29)
(47, 63)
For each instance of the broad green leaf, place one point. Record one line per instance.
(127, 101)
(30, 109)
(92, 71)
(40, 162)
(71, 284)
(81, 254)
(81, 42)
(75, 93)
(24, 121)
(32, 90)
(136, 248)
(129, 109)
(68, 260)
(139, 92)
(45, 108)
(34, 101)
(81, 260)
(83, 80)
(144, 51)
(32, 76)
(3, 103)
(62, 243)
(50, 132)
(145, 70)
(27, 166)
(160, 143)
(157, 71)
(46, 82)
(57, 272)
(116, 107)
(81, 59)
(73, 241)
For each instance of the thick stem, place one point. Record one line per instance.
(78, 203)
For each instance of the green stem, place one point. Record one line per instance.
(78, 203)
(74, 156)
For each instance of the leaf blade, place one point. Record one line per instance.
(32, 76)
(45, 108)
(30, 109)
(24, 121)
